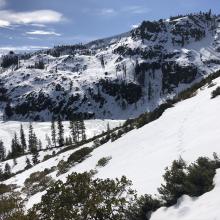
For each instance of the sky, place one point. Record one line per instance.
(31, 24)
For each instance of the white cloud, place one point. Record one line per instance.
(133, 9)
(4, 23)
(107, 11)
(136, 9)
(8, 17)
(38, 25)
(41, 32)
(22, 48)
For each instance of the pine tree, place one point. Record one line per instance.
(7, 171)
(35, 143)
(53, 132)
(83, 130)
(39, 145)
(60, 132)
(15, 162)
(108, 127)
(108, 131)
(22, 139)
(32, 142)
(28, 163)
(35, 158)
(48, 142)
(1, 175)
(16, 149)
(73, 131)
(2, 151)
(78, 133)
(102, 61)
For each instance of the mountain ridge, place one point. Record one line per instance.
(114, 78)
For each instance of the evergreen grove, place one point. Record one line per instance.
(23, 145)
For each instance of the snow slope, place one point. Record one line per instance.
(190, 129)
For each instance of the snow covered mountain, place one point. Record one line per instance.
(113, 78)
(116, 78)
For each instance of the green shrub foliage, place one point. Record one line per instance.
(193, 180)
(79, 155)
(83, 197)
(103, 161)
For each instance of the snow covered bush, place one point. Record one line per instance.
(215, 92)
(143, 208)
(37, 182)
(174, 178)
(103, 161)
(79, 155)
(62, 167)
(193, 180)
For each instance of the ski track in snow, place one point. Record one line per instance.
(181, 131)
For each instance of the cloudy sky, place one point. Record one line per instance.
(45, 23)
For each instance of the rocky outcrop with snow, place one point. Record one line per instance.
(118, 77)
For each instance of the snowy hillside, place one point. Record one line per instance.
(113, 78)
(190, 129)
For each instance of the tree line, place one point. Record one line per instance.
(22, 145)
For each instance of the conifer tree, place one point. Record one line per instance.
(35, 143)
(22, 139)
(39, 145)
(60, 132)
(30, 140)
(48, 141)
(35, 158)
(108, 131)
(53, 132)
(16, 149)
(32, 143)
(15, 162)
(78, 133)
(73, 131)
(28, 163)
(2, 151)
(83, 130)
(7, 170)
(1, 175)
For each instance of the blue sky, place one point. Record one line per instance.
(36, 23)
